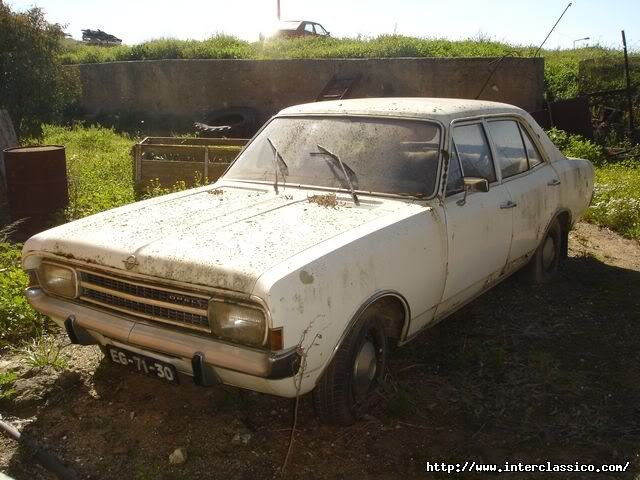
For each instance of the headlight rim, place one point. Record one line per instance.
(42, 284)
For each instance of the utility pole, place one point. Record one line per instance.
(632, 127)
(278, 10)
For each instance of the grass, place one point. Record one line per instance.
(99, 165)
(17, 319)
(42, 351)
(6, 385)
(562, 67)
(616, 203)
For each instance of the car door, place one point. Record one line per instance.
(531, 183)
(479, 224)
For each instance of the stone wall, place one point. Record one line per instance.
(179, 92)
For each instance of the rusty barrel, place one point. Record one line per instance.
(36, 179)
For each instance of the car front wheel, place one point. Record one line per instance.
(348, 386)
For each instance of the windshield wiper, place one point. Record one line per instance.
(324, 151)
(276, 157)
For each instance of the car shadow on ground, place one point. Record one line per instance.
(523, 374)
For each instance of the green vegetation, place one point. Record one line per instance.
(562, 75)
(6, 385)
(577, 146)
(616, 203)
(99, 167)
(35, 88)
(42, 351)
(17, 318)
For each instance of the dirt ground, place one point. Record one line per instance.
(523, 374)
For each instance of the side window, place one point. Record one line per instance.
(308, 27)
(532, 152)
(320, 30)
(473, 151)
(454, 177)
(509, 148)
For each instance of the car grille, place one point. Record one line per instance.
(185, 309)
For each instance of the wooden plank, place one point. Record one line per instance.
(190, 152)
(168, 173)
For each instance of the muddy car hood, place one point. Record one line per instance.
(223, 236)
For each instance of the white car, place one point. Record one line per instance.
(341, 227)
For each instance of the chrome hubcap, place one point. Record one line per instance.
(365, 368)
(548, 253)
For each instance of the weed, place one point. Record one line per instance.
(17, 318)
(6, 385)
(327, 200)
(42, 351)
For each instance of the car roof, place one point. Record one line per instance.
(443, 109)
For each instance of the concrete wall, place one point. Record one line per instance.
(185, 90)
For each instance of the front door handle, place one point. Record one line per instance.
(555, 182)
(508, 204)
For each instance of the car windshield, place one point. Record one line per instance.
(381, 155)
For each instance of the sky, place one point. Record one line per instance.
(520, 22)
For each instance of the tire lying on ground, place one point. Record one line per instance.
(238, 122)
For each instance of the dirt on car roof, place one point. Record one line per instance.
(522, 374)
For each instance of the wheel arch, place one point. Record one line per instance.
(396, 316)
(564, 218)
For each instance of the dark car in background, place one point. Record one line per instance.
(294, 29)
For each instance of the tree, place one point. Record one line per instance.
(34, 86)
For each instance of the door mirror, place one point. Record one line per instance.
(476, 184)
(473, 184)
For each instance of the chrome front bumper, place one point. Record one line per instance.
(89, 326)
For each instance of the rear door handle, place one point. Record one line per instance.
(508, 204)
(555, 182)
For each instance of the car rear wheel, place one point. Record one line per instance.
(547, 259)
(348, 386)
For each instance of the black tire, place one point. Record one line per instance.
(548, 257)
(342, 395)
(238, 122)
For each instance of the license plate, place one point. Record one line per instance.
(143, 364)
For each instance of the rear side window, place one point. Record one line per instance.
(512, 157)
(532, 152)
(473, 151)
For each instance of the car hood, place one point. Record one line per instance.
(222, 236)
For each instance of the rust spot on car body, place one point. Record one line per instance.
(306, 277)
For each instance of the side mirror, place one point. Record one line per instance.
(473, 184)
(476, 184)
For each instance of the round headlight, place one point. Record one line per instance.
(238, 323)
(58, 280)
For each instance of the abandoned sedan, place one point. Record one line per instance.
(341, 228)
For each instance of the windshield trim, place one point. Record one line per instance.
(437, 186)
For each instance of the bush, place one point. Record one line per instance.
(577, 146)
(34, 86)
(17, 318)
(616, 202)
